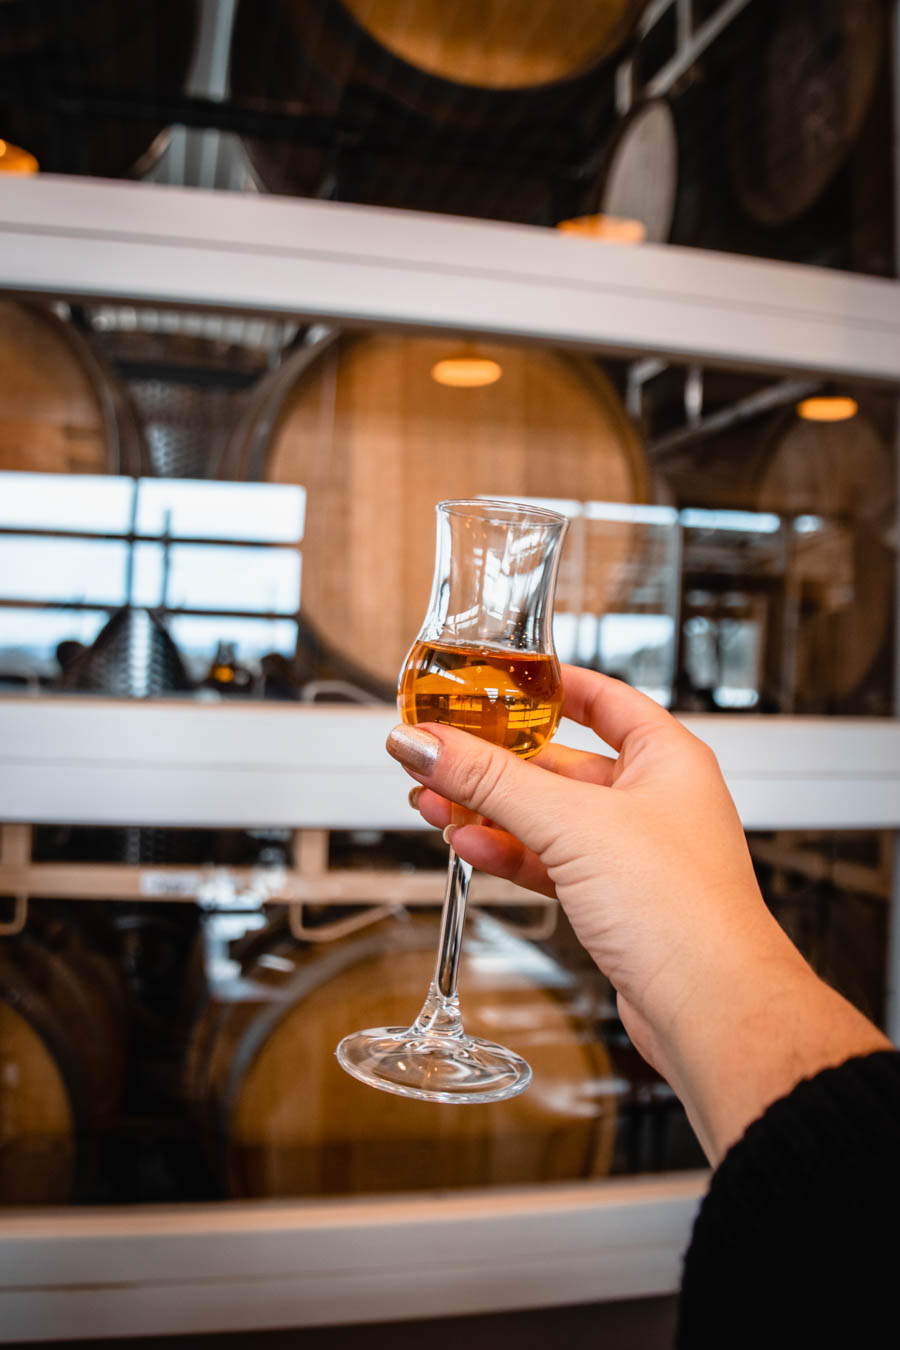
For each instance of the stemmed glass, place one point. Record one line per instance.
(483, 661)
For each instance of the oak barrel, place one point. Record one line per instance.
(841, 472)
(289, 1121)
(480, 109)
(377, 442)
(63, 409)
(797, 100)
(492, 43)
(37, 1118)
(62, 1058)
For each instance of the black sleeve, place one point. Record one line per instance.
(797, 1242)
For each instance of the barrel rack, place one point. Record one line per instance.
(101, 1273)
(309, 882)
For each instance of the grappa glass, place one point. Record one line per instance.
(483, 661)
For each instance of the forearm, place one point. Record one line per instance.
(751, 1037)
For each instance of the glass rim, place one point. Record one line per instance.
(495, 510)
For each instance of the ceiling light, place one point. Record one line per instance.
(827, 408)
(610, 229)
(466, 372)
(15, 160)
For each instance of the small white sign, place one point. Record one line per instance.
(170, 883)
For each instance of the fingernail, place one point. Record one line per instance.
(414, 795)
(449, 832)
(415, 749)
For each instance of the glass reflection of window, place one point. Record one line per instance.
(220, 562)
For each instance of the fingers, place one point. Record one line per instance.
(609, 707)
(502, 855)
(484, 846)
(531, 804)
(581, 765)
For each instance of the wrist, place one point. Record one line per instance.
(754, 1036)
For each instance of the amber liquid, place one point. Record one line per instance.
(511, 698)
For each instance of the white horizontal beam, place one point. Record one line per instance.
(336, 262)
(77, 1275)
(98, 761)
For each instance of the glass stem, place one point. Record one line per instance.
(440, 1013)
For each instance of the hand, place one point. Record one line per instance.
(646, 854)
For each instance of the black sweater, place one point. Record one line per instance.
(797, 1242)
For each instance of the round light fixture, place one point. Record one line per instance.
(827, 408)
(609, 229)
(466, 372)
(15, 160)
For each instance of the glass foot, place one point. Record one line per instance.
(433, 1067)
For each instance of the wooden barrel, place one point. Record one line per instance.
(63, 410)
(62, 1059)
(37, 1118)
(639, 177)
(475, 109)
(839, 474)
(491, 43)
(377, 442)
(289, 1121)
(842, 473)
(797, 100)
(73, 74)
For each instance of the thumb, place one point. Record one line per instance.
(521, 798)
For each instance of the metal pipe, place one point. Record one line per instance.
(765, 400)
(691, 47)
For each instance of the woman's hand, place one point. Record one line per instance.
(646, 854)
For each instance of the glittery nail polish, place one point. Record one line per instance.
(415, 749)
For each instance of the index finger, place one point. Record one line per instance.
(608, 706)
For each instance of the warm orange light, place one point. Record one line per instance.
(466, 372)
(15, 160)
(610, 229)
(827, 408)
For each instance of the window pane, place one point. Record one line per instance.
(208, 577)
(91, 571)
(29, 638)
(269, 512)
(50, 501)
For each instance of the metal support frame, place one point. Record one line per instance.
(310, 882)
(690, 45)
(754, 405)
(15, 856)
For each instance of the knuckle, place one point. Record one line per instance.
(479, 780)
(704, 753)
